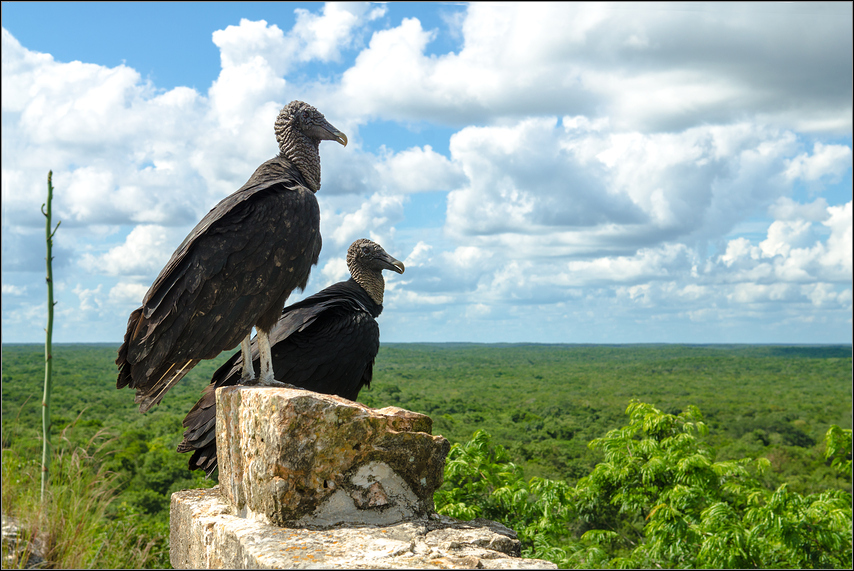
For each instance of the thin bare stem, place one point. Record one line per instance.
(48, 346)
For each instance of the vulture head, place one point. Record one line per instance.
(299, 129)
(366, 260)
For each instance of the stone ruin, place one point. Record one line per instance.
(316, 481)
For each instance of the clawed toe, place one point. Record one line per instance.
(278, 384)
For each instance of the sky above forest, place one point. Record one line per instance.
(555, 173)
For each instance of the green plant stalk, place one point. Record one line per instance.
(48, 347)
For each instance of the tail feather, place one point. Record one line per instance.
(167, 381)
(200, 433)
(125, 377)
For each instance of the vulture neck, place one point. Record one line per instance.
(304, 153)
(371, 282)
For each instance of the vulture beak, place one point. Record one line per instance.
(390, 263)
(326, 132)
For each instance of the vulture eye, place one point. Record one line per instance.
(366, 250)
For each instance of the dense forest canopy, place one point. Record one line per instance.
(543, 404)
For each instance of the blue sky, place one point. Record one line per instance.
(578, 173)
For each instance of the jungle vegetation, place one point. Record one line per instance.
(635, 455)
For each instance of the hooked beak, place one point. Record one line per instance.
(392, 264)
(327, 132)
(338, 136)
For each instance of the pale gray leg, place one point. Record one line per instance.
(266, 372)
(267, 378)
(248, 374)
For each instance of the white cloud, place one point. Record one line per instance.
(9, 289)
(826, 161)
(646, 67)
(323, 36)
(600, 152)
(418, 170)
(335, 270)
(144, 253)
(90, 299)
(784, 236)
(592, 191)
(127, 294)
(787, 209)
(837, 257)
(372, 219)
(420, 254)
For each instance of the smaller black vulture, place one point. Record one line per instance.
(325, 343)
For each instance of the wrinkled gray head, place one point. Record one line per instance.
(366, 260)
(299, 129)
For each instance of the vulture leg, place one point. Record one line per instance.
(266, 376)
(266, 373)
(248, 370)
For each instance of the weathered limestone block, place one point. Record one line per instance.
(297, 458)
(20, 552)
(207, 533)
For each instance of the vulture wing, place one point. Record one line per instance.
(233, 271)
(326, 343)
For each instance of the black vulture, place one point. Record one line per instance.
(235, 270)
(325, 343)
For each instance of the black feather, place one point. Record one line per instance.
(235, 270)
(325, 343)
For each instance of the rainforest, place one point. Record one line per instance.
(534, 426)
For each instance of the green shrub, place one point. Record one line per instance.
(658, 500)
(71, 529)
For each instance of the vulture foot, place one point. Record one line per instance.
(262, 382)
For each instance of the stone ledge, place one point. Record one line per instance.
(207, 533)
(293, 457)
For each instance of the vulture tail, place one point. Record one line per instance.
(168, 380)
(125, 375)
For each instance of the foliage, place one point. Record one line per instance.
(141, 459)
(659, 499)
(73, 529)
(838, 449)
(482, 482)
(542, 404)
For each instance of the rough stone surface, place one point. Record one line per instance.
(207, 533)
(18, 552)
(297, 458)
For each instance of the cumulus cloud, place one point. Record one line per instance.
(598, 154)
(787, 209)
(418, 169)
(649, 67)
(586, 190)
(144, 252)
(825, 161)
(322, 36)
(793, 252)
(127, 294)
(9, 289)
(372, 219)
(837, 255)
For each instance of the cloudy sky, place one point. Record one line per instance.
(575, 173)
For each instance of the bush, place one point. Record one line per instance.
(658, 500)
(71, 529)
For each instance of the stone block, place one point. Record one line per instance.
(297, 458)
(206, 533)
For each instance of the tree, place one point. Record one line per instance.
(659, 499)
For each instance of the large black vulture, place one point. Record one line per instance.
(325, 343)
(235, 270)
